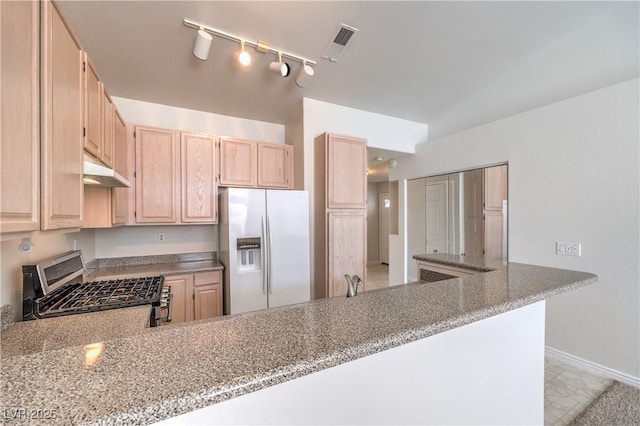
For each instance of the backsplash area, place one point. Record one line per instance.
(144, 240)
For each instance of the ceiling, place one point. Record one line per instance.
(451, 65)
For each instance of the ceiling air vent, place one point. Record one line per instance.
(334, 50)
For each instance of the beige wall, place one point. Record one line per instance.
(574, 170)
(373, 246)
(44, 246)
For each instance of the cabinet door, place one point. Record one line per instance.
(157, 184)
(120, 195)
(346, 163)
(97, 207)
(19, 131)
(93, 106)
(275, 165)
(182, 302)
(108, 129)
(495, 192)
(207, 295)
(62, 187)
(347, 249)
(199, 189)
(238, 162)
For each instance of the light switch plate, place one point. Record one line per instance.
(568, 249)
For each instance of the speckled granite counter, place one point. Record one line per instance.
(133, 267)
(27, 337)
(473, 264)
(168, 371)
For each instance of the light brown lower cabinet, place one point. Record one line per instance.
(195, 296)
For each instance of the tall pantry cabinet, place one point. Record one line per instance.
(340, 212)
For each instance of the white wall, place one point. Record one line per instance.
(143, 240)
(169, 117)
(573, 176)
(44, 245)
(373, 230)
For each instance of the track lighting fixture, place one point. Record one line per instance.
(306, 72)
(280, 67)
(244, 57)
(203, 43)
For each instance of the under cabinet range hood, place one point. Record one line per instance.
(99, 175)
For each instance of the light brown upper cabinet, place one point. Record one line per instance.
(108, 130)
(245, 163)
(120, 198)
(346, 172)
(20, 117)
(238, 162)
(93, 110)
(157, 175)
(62, 123)
(198, 169)
(275, 165)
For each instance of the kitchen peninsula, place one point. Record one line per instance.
(489, 327)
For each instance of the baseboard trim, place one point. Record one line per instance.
(373, 262)
(592, 367)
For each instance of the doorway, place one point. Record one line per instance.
(384, 205)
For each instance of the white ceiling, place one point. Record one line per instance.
(452, 65)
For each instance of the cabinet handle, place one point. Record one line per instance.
(269, 283)
(263, 250)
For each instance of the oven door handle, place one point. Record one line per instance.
(170, 304)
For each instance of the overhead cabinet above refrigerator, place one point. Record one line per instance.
(264, 244)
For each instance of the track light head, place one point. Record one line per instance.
(280, 67)
(202, 45)
(244, 57)
(306, 72)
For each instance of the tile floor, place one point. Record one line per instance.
(377, 276)
(567, 390)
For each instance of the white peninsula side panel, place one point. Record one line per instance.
(487, 372)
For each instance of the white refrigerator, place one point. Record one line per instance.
(264, 247)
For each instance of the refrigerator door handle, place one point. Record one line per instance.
(264, 260)
(269, 283)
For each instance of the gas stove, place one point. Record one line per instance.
(54, 287)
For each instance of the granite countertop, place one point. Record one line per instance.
(28, 337)
(135, 271)
(167, 371)
(140, 266)
(458, 261)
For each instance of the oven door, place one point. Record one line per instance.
(161, 312)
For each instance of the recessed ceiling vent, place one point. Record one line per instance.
(335, 49)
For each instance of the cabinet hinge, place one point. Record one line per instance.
(193, 296)
(84, 66)
(84, 132)
(134, 134)
(135, 213)
(134, 174)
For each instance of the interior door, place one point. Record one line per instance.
(384, 205)
(436, 217)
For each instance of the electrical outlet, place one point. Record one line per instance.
(569, 249)
(161, 237)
